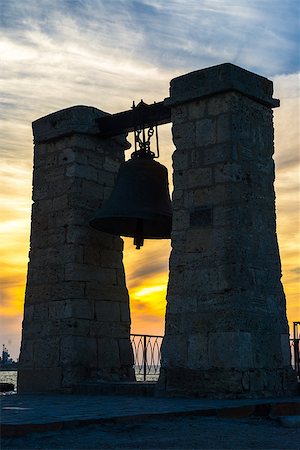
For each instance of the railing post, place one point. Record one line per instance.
(296, 357)
(296, 342)
(145, 362)
(145, 356)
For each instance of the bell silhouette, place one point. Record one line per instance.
(139, 205)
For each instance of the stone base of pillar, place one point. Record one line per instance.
(227, 383)
(45, 379)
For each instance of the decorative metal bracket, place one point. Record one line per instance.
(144, 115)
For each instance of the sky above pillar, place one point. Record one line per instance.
(60, 53)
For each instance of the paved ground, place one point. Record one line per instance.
(178, 433)
(123, 422)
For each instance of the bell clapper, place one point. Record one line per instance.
(138, 239)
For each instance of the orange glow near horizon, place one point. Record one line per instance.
(147, 277)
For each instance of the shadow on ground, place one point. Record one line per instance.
(175, 433)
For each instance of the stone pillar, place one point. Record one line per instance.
(226, 328)
(76, 318)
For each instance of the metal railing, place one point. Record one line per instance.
(147, 355)
(146, 350)
(295, 351)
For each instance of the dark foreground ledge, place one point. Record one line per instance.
(22, 414)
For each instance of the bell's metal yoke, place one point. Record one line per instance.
(127, 121)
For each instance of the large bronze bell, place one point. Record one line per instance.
(140, 205)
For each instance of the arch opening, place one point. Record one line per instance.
(147, 274)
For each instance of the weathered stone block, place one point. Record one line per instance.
(230, 350)
(181, 158)
(176, 280)
(57, 310)
(286, 350)
(235, 276)
(92, 255)
(224, 132)
(120, 274)
(106, 179)
(206, 132)
(99, 291)
(41, 312)
(50, 238)
(109, 329)
(184, 135)
(177, 201)
(42, 291)
(32, 330)
(268, 353)
(199, 240)
(179, 114)
(77, 350)
(197, 352)
(125, 312)
(196, 110)
(87, 236)
(203, 280)
(199, 177)
(176, 354)
(69, 327)
(89, 272)
(39, 380)
(229, 172)
(59, 203)
(108, 353)
(111, 165)
(46, 352)
(180, 220)
(214, 194)
(222, 103)
(56, 255)
(81, 171)
(218, 153)
(70, 155)
(183, 303)
(126, 353)
(27, 354)
(29, 313)
(79, 308)
(107, 311)
(173, 324)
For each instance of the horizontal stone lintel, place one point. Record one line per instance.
(220, 79)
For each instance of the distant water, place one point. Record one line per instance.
(152, 375)
(9, 376)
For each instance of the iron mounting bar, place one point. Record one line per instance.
(142, 115)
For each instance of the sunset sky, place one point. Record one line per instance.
(107, 53)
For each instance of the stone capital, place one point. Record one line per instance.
(219, 79)
(76, 119)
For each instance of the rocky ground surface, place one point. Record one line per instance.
(172, 433)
